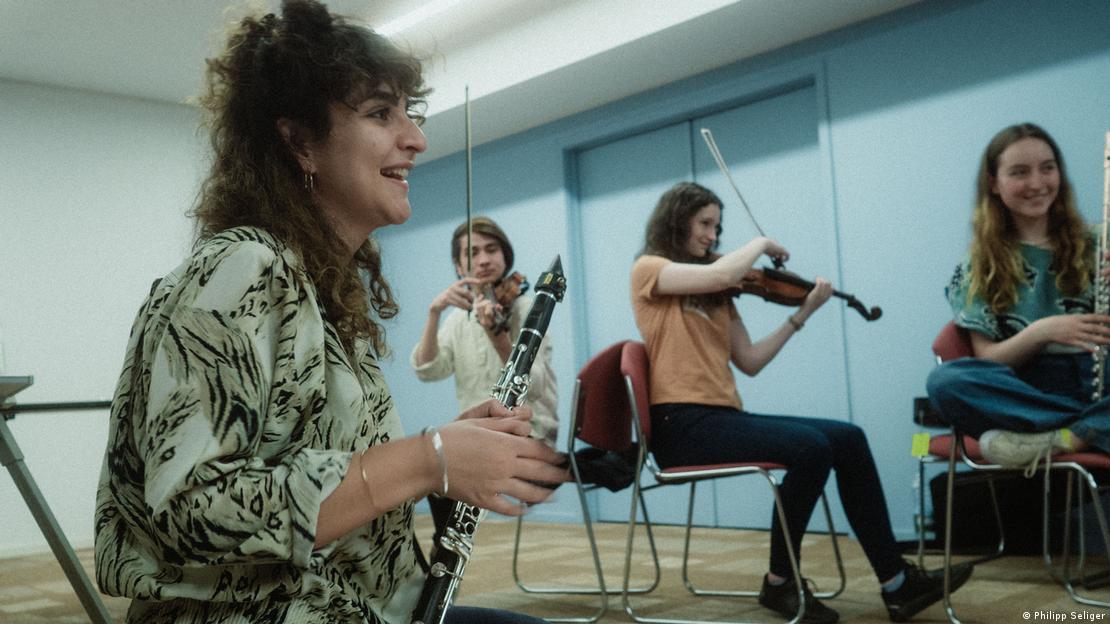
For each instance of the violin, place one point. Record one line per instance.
(776, 285)
(504, 293)
(790, 289)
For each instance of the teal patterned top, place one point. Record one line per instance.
(236, 414)
(1038, 297)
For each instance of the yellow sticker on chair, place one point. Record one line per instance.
(920, 445)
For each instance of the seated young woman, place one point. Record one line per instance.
(693, 332)
(1025, 294)
(257, 469)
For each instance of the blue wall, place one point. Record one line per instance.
(909, 101)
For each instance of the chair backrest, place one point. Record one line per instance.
(634, 366)
(952, 342)
(603, 418)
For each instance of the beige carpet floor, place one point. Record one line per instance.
(1012, 589)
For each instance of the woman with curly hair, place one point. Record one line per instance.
(1025, 295)
(692, 332)
(256, 469)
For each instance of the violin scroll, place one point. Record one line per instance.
(871, 314)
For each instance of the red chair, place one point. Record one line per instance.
(600, 417)
(953, 342)
(634, 368)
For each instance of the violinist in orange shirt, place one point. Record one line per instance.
(682, 300)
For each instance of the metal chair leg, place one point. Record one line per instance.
(749, 593)
(998, 523)
(799, 582)
(637, 494)
(581, 590)
(1065, 554)
(949, 611)
(1100, 516)
(836, 553)
(1064, 577)
(999, 550)
(600, 590)
(920, 523)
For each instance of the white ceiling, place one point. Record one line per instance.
(526, 62)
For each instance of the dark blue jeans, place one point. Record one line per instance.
(1050, 392)
(477, 615)
(686, 434)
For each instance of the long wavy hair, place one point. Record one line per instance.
(996, 264)
(293, 67)
(667, 232)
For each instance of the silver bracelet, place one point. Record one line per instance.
(798, 325)
(437, 445)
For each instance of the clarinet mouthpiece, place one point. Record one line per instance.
(552, 281)
(556, 265)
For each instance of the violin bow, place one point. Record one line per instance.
(712, 145)
(869, 314)
(469, 187)
(469, 183)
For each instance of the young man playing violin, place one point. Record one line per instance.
(476, 338)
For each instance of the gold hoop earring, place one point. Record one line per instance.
(310, 182)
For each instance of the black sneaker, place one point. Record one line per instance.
(921, 589)
(783, 599)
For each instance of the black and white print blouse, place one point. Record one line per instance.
(236, 414)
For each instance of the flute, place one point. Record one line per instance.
(1102, 289)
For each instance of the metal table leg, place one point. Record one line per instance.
(12, 459)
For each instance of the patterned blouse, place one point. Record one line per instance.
(236, 414)
(1038, 297)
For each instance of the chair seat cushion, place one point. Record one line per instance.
(1089, 460)
(709, 471)
(941, 446)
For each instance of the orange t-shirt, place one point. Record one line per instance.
(689, 347)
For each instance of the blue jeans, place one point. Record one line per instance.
(686, 434)
(478, 615)
(1050, 392)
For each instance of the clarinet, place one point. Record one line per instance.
(1102, 289)
(453, 545)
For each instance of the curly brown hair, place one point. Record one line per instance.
(293, 67)
(668, 227)
(996, 267)
(668, 231)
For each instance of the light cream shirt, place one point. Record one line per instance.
(467, 352)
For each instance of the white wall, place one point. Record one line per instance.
(94, 191)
